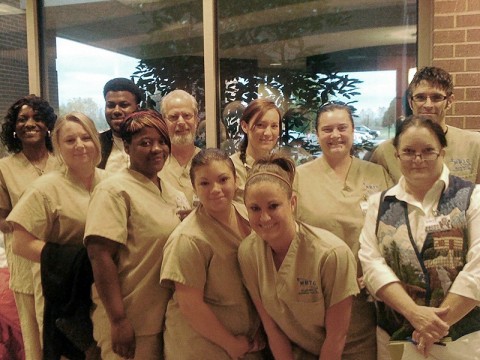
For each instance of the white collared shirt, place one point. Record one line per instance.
(375, 269)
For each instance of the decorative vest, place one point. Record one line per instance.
(427, 273)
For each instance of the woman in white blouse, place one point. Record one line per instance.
(420, 249)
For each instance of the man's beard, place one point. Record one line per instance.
(182, 140)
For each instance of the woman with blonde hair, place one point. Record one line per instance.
(53, 209)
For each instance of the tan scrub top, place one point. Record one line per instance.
(318, 271)
(16, 174)
(241, 171)
(54, 207)
(202, 253)
(179, 176)
(129, 209)
(462, 155)
(326, 202)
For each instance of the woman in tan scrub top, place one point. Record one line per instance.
(261, 123)
(210, 315)
(300, 278)
(130, 218)
(26, 134)
(332, 193)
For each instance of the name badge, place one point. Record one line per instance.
(438, 223)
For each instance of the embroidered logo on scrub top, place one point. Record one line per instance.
(461, 165)
(307, 286)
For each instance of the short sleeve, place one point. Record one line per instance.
(339, 275)
(107, 215)
(5, 203)
(34, 213)
(185, 261)
(249, 269)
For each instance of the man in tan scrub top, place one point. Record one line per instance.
(180, 111)
(430, 95)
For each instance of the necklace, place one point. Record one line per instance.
(40, 165)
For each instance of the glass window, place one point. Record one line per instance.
(158, 44)
(301, 54)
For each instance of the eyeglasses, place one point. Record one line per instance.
(435, 98)
(175, 117)
(424, 155)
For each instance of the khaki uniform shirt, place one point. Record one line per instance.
(16, 174)
(241, 170)
(326, 202)
(202, 253)
(54, 209)
(179, 176)
(129, 209)
(118, 158)
(318, 271)
(462, 155)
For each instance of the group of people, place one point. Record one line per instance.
(195, 254)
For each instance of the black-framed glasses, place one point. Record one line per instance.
(434, 98)
(424, 155)
(175, 117)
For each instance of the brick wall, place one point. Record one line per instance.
(456, 48)
(13, 61)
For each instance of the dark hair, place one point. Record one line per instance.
(255, 110)
(205, 157)
(419, 122)
(332, 106)
(123, 84)
(138, 120)
(263, 169)
(43, 111)
(435, 76)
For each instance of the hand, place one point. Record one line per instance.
(182, 214)
(422, 344)
(258, 343)
(361, 282)
(123, 339)
(237, 349)
(5, 226)
(429, 326)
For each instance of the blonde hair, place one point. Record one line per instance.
(86, 123)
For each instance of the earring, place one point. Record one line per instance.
(14, 135)
(48, 133)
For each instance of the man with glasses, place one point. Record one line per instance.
(122, 97)
(430, 95)
(180, 111)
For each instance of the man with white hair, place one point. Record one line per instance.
(180, 111)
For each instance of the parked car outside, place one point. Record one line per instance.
(364, 129)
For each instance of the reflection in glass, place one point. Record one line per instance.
(303, 53)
